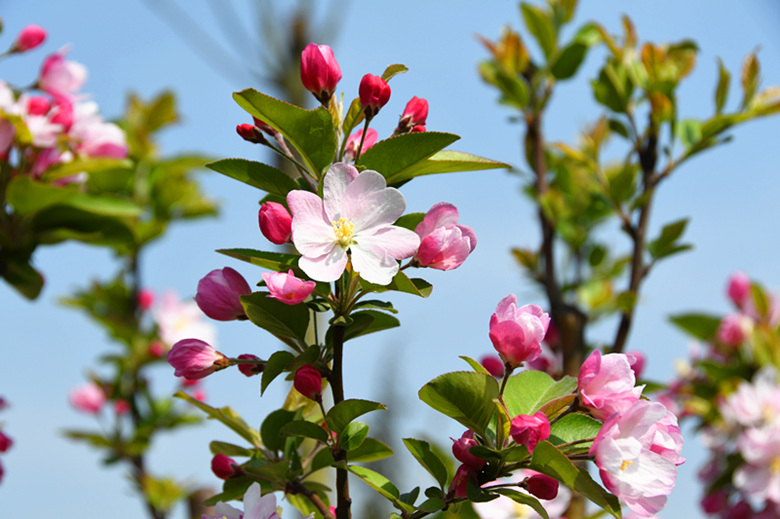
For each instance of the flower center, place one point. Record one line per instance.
(344, 229)
(774, 466)
(626, 464)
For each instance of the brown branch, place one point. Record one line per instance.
(296, 487)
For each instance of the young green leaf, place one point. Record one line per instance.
(282, 320)
(465, 396)
(353, 436)
(700, 326)
(422, 452)
(256, 174)
(345, 411)
(277, 362)
(528, 391)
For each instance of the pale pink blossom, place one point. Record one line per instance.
(219, 294)
(287, 288)
(759, 477)
(756, 403)
(517, 333)
(351, 148)
(93, 136)
(61, 77)
(353, 221)
(88, 397)
(505, 508)
(734, 329)
(630, 467)
(177, 320)
(444, 245)
(606, 384)
(256, 506)
(194, 359)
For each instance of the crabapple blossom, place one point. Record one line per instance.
(320, 72)
(194, 359)
(256, 506)
(734, 329)
(29, 38)
(374, 93)
(353, 141)
(606, 384)
(275, 222)
(444, 245)
(759, 477)
(415, 113)
(287, 288)
(308, 382)
(529, 430)
(177, 320)
(460, 449)
(88, 397)
(460, 481)
(629, 460)
(516, 333)
(352, 222)
(219, 294)
(59, 76)
(756, 403)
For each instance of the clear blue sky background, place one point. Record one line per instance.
(730, 194)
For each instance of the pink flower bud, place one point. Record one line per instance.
(320, 72)
(121, 406)
(250, 369)
(156, 349)
(460, 449)
(5, 442)
(715, 502)
(62, 113)
(287, 288)
(734, 329)
(418, 129)
(194, 359)
(494, 365)
(542, 486)
(250, 133)
(275, 222)
(415, 113)
(374, 94)
(219, 292)
(224, 467)
(88, 397)
(517, 333)
(29, 38)
(739, 288)
(460, 481)
(444, 245)
(351, 148)
(529, 430)
(145, 299)
(637, 362)
(308, 382)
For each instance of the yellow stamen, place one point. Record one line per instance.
(774, 466)
(343, 229)
(626, 464)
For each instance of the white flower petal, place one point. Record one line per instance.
(327, 267)
(337, 179)
(400, 243)
(374, 265)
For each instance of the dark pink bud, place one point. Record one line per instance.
(194, 359)
(529, 430)
(121, 407)
(265, 127)
(38, 105)
(145, 299)
(374, 94)
(460, 449)
(460, 481)
(62, 112)
(250, 133)
(156, 349)
(219, 292)
(224, 467)
(542, 486)
(715, 502)
(308, 382)
(250, 369)
(414, 115)
(5, 442)
(275, 222)
(320, 72)
(29, 38)
(494, 365)
(738, 288)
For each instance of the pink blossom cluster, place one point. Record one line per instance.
(53, 123)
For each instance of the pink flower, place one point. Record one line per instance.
(738, 288)
(88, 397)
(542, 486)
(256, 506)
(61, 77)
(275, 222)
(444, 245)
(356, 215)
(308, 382)
(121, 407)
(517, 333)
(628, 464)
(287, 288)
(94, 136)
(219, 294)
(606, 384)
(528, 430)
(5, 442)
(460, 449)
(734, 329)
(224, 467)
(759, 477)
(351, 148)
(194, 359)
(494, 365)
(320, 72)
(415, 113)
(374, 94)
(250, 369)
(636, 360)
(756, 403)
(29, 38)
(460, 481)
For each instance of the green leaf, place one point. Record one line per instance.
(353, 117)
(514, 88)
(528, 391)
(749, 78)
(569, 60)
(24, 278)
(391, 157)
(382, 485)
(353, 435)
(523, 499)
(446, 161)
(541, 26)
(256, 174)
(373, 304)
(305, 429)
(282, 320)
(310, 132)
(422, 452)
(227, 416)
(613, 87)
(547, 459)
(89, 165)
(277, 363)
(370, 450)
(689, 132)
(393, 70)
(479, 368)
(722, 90)
(95, 439)
(57, 223)
(271, 429)
(665, 244)
(322, 459)
(276, 261)
(410, 220)
(232, 489)
(574, 427)
(700, 326)
(369, 321)
(345, 411)
(465, 396)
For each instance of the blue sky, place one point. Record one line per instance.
(730, 194)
